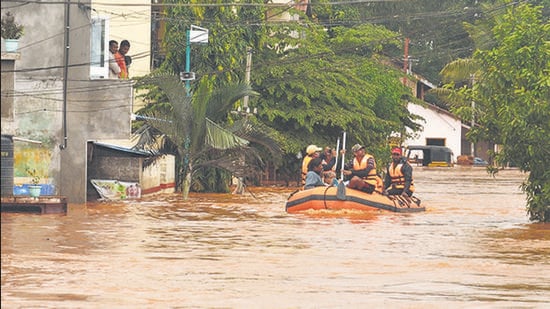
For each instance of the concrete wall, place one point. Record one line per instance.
(159, 177)
(100, 112)
(7, 93)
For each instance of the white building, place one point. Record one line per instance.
(440, 128)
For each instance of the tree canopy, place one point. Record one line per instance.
(312, 83)
(511, 90)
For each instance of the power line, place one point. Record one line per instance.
(230, 4)
(146, 54)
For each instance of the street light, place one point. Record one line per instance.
(194, 35)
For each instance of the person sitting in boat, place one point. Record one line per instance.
(312, 151)
(329, 166)
(329, 159)
(313, 176)
(362, 171)
(330, 178)
(399, 175)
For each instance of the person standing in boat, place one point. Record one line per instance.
(312, 151)
(362, 171)
(399, 175)
(313, 176)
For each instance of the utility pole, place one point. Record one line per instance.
(246, 111)
(66, 71)
(406, 55)
(247, 78)
(472, 145)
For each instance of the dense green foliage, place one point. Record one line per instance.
(330, 85)
(313, 84)
(232, 30)
(435, 28)
(511, 90)
(194, 129)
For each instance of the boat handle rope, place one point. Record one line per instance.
(394, 200)
(416, 200)
(404, 200)
(325, 196)
(291, 194)
(391, 197)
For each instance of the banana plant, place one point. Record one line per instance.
(194, 127)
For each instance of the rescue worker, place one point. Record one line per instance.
(362, 170)
(312, 151)
(399, 178)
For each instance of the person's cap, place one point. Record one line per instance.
(311, 149)
(396, 150)
(357, 147)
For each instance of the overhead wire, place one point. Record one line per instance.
(206, 22)
(230, 4)
(146, 54)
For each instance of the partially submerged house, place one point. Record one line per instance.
(440, 127)
(113, 163)
(58, 97)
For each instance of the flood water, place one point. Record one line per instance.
(474, 247)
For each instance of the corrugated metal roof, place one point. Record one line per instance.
(123, 149)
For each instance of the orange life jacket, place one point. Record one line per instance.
(397, 177)
(305, 163)
(372, 178)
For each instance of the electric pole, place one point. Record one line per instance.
(246, 109)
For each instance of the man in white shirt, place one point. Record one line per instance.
(114, 69)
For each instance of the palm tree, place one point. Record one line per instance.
(194, 128)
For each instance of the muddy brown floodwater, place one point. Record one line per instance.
(474, 247)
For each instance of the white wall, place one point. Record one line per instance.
(159, 177)
(437, 124)
(132, 23)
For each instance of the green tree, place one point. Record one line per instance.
(193, 129)
(329, 84)
(313, 84)
(512, 98)
(232, 30)
(435, 28)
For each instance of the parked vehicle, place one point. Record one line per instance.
(430, 155)
(480, 162)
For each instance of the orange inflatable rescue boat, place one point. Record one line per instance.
(340, 197)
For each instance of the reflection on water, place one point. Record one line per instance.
(473, 247)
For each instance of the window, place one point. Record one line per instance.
(99, 48)
(435, 141)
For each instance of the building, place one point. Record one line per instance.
(441, 127)
(58, 97)
(114, 163)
